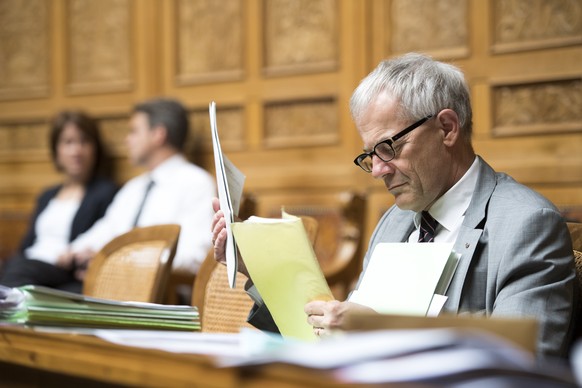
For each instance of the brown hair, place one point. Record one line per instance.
(90, 129)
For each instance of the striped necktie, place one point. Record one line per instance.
(428, 227)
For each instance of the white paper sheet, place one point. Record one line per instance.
(436, 305)
(401, 278)
(228, 347)
(212, 344)
(230, 182)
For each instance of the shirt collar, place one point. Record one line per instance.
(450, 208)
(167, 168)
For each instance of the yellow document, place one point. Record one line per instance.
(284, 269)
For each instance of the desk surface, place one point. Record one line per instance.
(74, 356)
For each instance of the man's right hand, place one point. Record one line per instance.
(327, 316)
(219, 237)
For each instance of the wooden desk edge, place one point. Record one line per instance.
(92, 358)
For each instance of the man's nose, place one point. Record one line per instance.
(380, 167)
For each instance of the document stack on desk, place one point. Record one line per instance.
(420, 357)
(43, 306)
(437, 357)
(10, 304)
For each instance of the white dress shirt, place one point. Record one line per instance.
(182, 194)
(449, 210)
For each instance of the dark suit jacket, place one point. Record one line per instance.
(98, 195)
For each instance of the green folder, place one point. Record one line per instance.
(49, 307)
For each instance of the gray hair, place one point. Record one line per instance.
(421, 85)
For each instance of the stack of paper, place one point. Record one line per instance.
(421, 357)
(44, 306)
(11, 300)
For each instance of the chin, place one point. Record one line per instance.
(75, 172)
(405, 204)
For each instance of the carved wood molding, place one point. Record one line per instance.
(230, 121)
(24, 140)
(502, 48)
(540, 106)
(438, 28)
(300, 36)
(210, 77)
(298, 123)
(210, 41)
(114, 130)
(24, 49)
(27, 139)
(99, 48)
(520, 25)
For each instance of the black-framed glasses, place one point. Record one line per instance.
(384, 150)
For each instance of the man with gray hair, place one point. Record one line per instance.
(414, 117)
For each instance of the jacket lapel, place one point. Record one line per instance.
(471, 232)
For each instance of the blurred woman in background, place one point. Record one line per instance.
(66, 210)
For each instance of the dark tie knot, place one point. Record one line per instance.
(428, 227)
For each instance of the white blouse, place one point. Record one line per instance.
(53, 228)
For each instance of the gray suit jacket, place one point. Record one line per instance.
(516, 258)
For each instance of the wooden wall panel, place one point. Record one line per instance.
(301, 124)
(537, 107)
(290, 95)
(99, 46)
(23, 139)
(24, 49)
(300, 36)
(210, 40)
(421, 25)
(536, 24)
(230, 120)
(281, 73)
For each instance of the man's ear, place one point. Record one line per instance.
(448, 122)
(159, 134)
